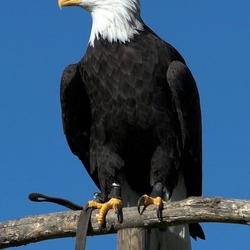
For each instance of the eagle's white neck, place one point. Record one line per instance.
(114, 20)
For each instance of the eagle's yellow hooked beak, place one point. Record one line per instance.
(63, 3)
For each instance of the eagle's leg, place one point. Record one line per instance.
(164, 174)
(156, 198)
(114, 202)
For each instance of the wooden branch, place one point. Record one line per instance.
(61, 225)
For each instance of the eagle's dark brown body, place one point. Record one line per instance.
(132, 110)
(131, 113)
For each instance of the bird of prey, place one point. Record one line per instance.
(131, 113)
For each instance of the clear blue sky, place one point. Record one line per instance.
(38, 40)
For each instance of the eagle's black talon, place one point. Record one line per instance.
(146, 200)
(86, 206)
(104, 228)
(159, 211)
(118, 211)
(141, 202)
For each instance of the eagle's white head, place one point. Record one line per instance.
(114, 20)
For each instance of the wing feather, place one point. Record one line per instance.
(186, 102)
(76, 115)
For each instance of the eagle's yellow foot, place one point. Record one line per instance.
(113, 203)
(146, 200)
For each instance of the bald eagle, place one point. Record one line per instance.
(131, 113)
